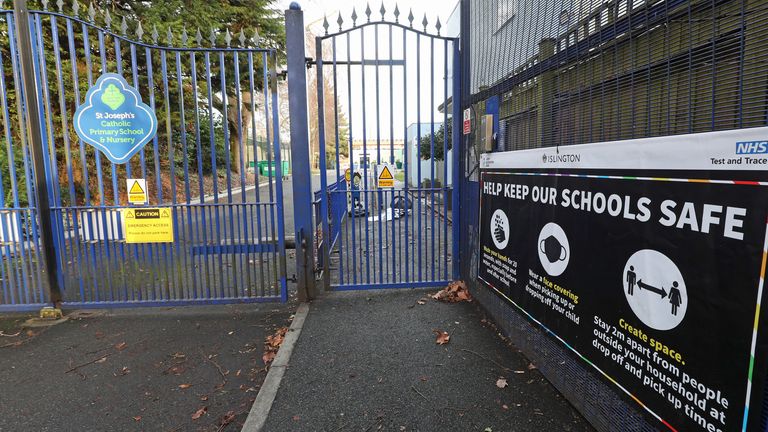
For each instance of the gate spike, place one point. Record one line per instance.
(325, 24)
(184, 36)
(410, 18)
(424, 22)
(107, 20)
(368, 11)
(340, 21)
(228, 37)
(354, 17)
(75, 7)
(199, 38)
(124, 27)
(91, 13)
(155, 34)
(45, 5)
(241, 38)
(212, 38)
(169, 37)
(139, 31)
(256, 37)
(438, 26)
(382, 10)
(397, 14)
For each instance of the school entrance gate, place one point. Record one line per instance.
(385, 116)
(216, 110)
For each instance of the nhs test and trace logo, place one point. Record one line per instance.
(752, 147)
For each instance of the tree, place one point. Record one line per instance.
(425, 144)
(170, 18)
(331, 108)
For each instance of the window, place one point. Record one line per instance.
(505, 11)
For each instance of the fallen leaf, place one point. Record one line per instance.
(442, 337)
(421, 302)
(101, 360)
(185, 386)
(455, 292)
(121, 346)
(227, 418)
(531, 366)
(137, 418)
(501, 382)
(203, 398)
(268, 357)
(199, 413)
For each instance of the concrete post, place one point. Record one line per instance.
(302, 176)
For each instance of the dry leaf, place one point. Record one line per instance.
(199, 413)
(228, 418)
(101, 360)
(421, 302)
(455, 292)
(137, 418)
(268, 357)
(442, 337)
(185, 386)
(531, 366)
(501, 382)
(203, 398)
(121, 346)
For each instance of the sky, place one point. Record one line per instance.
(400, 95)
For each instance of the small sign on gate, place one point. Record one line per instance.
(137, 191)
(467, 121)
(385, 178)
(148, 225)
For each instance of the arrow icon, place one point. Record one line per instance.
(651, 288)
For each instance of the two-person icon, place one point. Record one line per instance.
(675, 297)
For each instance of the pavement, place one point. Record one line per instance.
(369, 361)
(147, 369)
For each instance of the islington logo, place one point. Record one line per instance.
(752, 147)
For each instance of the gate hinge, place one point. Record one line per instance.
(309, 62)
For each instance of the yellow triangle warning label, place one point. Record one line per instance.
(385, 174)
(129, 215)
(136, 188)
(165, 213)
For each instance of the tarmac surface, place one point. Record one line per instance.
(368, 361)
(143, 369)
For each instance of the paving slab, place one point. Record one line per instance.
(368, 361)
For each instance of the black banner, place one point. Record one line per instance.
(654, 278)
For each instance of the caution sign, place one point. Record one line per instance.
(137, 191)
(148, 225)
(386, 180)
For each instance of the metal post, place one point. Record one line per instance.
(302, 177)
(457, 152)
(34, 132)
(325, 253)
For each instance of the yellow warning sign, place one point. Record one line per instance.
(385, 178)
(137, 191)
(148, 225)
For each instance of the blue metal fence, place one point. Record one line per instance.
(401, 236)
(228, 223)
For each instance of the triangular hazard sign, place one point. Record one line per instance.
(129, 215)
(165, 213)
(136, 188)
(385, 174)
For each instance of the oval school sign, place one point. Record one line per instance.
(114, 119)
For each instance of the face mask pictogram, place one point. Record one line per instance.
(553, 250)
